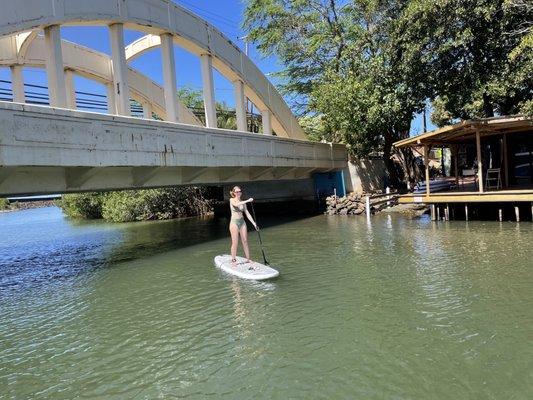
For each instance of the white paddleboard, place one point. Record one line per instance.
(243, 269)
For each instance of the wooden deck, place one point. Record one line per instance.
(454, 196)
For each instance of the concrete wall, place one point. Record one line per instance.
(365, 175)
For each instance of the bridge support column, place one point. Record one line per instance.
(169, 77)
(209, 91)
(240, 105)
(17, 83)
(111, 102)
(54, 67)
(266, 116)
(147, 111)
(71, 91)
(120, 70)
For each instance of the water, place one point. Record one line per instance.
(398, 309)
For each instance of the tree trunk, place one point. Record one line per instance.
(394, 179)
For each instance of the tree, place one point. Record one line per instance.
(477, 54)
(367, 67)
(349, 65)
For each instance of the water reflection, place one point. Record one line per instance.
(396, 307)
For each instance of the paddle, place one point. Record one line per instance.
(259, 235)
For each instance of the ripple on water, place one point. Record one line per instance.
(399, 308)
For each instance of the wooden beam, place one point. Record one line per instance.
(469, 197)
(479, 162)
(505, 161)
(426, 163)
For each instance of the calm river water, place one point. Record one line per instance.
(398, 309)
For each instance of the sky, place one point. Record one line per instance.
(226, 15)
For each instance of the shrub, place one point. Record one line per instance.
(138, 205)
(4, 204)
(82, 205)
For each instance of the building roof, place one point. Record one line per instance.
(465, 131)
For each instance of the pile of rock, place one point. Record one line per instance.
(353, 204)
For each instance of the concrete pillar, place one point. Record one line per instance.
(54, 67)
(466, 212)
(209, 91)
(111, 102)
(240, 105)
(479, 162)
(17, 84)
(147, 111)
(517, 213)
(70, 87)
(266, 117)
(367, 206)
(500, 215)
(433, 213)
(169, 77)
(120, 69)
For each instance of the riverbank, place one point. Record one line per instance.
(27, 205)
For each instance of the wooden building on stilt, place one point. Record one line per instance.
(491, 170)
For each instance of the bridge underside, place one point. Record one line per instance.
(18, 181)
(46, 150)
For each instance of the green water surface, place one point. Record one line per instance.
(392, 309)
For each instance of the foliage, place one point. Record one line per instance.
(82, 205)
(4, 204)
(193, 100)
(137, 205)
(367, 67)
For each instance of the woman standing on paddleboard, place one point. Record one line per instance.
(237, 225)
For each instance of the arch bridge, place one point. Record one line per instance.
(58, 149)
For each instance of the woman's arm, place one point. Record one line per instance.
(240, 203)
(250, 217)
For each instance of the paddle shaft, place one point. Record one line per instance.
(259, 235)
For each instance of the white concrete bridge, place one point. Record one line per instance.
(59, 149)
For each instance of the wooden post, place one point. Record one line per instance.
(426, 162)
(434, 213)
(479, 162)
(517, 213)
(505, 161)
(456, 165)
(466, 212)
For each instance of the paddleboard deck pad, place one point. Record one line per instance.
(243, 269)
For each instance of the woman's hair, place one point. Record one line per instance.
(232, 191)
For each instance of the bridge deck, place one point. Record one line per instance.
(50, 150)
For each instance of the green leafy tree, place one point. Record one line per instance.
(367, 67)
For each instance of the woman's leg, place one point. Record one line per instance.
(234, 230)
(244, 240)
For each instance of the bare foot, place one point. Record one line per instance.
(234, 263)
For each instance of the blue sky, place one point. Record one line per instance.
(226, 15)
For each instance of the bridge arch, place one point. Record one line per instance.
(168, 22)
(96, 66)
